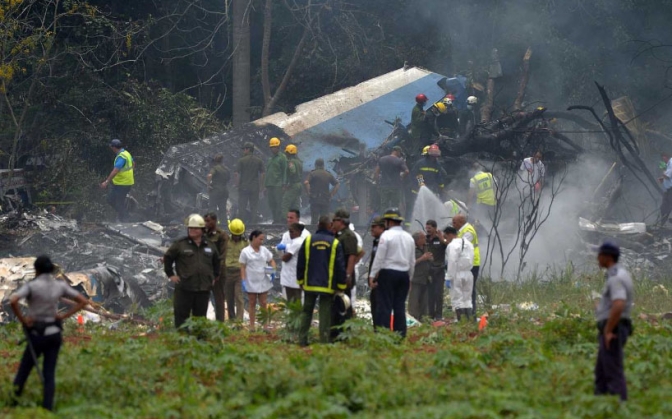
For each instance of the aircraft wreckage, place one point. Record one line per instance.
(119, 265)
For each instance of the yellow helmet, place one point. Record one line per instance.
(441, 107)
(291, 149)
(237, 227)
(425, 150)
(195, 221)
(275, 142)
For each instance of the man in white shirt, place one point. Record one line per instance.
(391, 272)
(460, 261)
(536, 171)
(289, 245)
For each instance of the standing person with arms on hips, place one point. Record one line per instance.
(436, 245)
(293, 189)
(347, 238)
(233, 285)
(289, 245)
(418, 297)
(389, 175)
(613, 323)
(666, 181)
(256, 264)
(121, 178)
(276, 180)
(192, 264)
(460, 258)
(392, 271)
(467, 231)
(377, 229)
(218, 187)
(43, 326)
(320, 270)
(317, 187)
(219, 240)
(249, 179)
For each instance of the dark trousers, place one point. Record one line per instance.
(609, 375)
(274, 195)
(293, 294)
(392, 292)
(435, 297)
(325, 316)
(474, 272)
(373, 298)
(248, 205)
(219, 294)
(390, 197)
(189, 303)
(218, 200)
(116, 197)
(49, 347)
(666, 207)
(233, 292)
(418, 299)
(318, 210)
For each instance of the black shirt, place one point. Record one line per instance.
(438, 250)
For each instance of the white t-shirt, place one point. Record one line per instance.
(288, 273)
(286, 239)
(255, 264)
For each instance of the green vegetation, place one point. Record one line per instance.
(526, 364)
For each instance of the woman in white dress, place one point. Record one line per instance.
(254, 261)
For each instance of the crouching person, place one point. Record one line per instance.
(460, 259)
(43, 326)
(320, 271)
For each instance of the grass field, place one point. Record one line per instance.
(525, 364)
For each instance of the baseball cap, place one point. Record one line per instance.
(248, 145)
(115, 143)
(342, 215)
(378, 221)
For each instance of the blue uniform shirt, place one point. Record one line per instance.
(120, 162)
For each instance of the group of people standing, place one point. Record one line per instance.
(280, 180)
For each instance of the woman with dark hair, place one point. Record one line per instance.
(254, 271)
(43, 325)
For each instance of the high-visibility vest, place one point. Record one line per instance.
(329, 289)
(486, 188)
(125, 175)
(468, 228)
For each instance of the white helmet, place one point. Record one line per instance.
(472, 100)
(342, 303)
(195, 221)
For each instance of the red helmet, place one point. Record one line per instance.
(434, 150)
(421, 98)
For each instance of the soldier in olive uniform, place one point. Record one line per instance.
(192, 264)
(218, 186)
(341, 228)
(292, 196)
(249, 179)
(219, 239)
(317, 186)
(276, 179)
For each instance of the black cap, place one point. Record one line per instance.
(248, 145)
(609, 248)
(450, 230)
(115, 143)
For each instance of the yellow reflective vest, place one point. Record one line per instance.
(485, 186)
(125, 175)
(468, 228)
